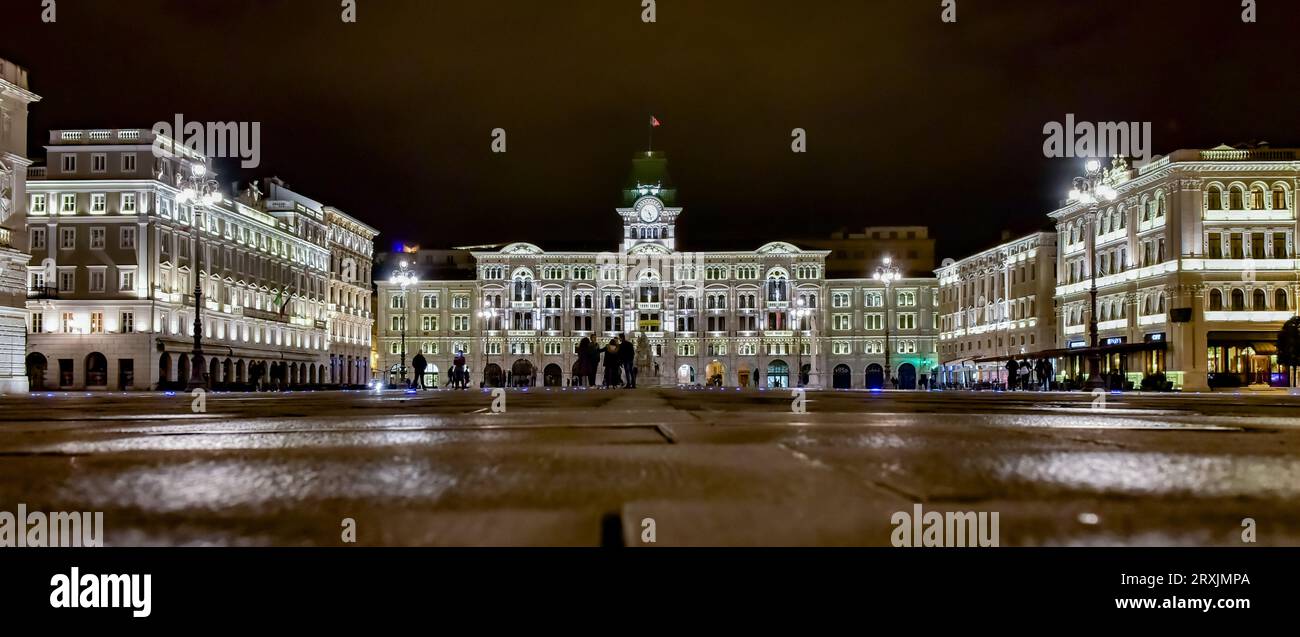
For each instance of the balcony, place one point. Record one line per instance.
(43, 293)
(256, 314)
(6, 238)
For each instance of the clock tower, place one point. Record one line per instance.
(649, 215)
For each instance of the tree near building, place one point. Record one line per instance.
(1288, 347)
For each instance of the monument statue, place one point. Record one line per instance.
(645, 362)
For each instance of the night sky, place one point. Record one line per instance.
(909, 120)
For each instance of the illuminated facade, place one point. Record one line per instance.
(995, 306)
(14, 100)
(738, 319)
(1194, 260)
(110, 303)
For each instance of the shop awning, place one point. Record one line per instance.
(1264, 343)
(1121, 348)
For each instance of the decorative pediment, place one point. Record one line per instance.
(779, 247)
(649, 248)
(521, 248)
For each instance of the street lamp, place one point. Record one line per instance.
(1090, 190)
(489, 316)
(405, 278)
(800, 313)
(200, 193)
(887, 273)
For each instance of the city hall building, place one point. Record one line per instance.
(116, 253)
(763, 318)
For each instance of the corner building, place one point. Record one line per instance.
(115, 254)
(1194, 261)
(764, 318)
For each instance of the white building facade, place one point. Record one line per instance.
(114, 259)
(1195, 267)
(14, 100)
(996, 306)
(766, 318)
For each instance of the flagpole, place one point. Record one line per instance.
(650, 135)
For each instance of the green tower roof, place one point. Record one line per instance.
(649, 173)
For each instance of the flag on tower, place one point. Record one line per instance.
(654, 121)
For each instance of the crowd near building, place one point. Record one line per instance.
(1172, 273)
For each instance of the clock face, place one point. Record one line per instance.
(649, 213)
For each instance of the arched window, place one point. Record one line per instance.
(1236, 198)
(1216, 198)
(1257, 198)
(1216, 300)
(1259, 301)
(1238, 300)
(1146, 210)
(1279, 301)
(648, 287)
(1279, 198)
(523, 287)
(778, 287)
(1160, 303)
(1160, 206)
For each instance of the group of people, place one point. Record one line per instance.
(457, 376)
(618, 357)
(1026, 376)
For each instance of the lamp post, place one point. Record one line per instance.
(800, 313)
(199, 192)
(1090, 190)
(887, 273)
(489, 315)
(405, 278)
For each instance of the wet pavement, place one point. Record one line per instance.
(710, 467)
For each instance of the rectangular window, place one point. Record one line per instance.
(96, 280)
(128, 238)
(67, 238)
(38, 322)
(429, 323)
(460, 323)
(96, 238)
(98, 162)
(126, 280)
(842, 322)
(96, 322)
(98, 203)
(38, 204)
(69, 163)
(128, 322)
(906, 321)
(128, 203)
(38, 239)
(875, 322)
(429, 301)
(65, 323)
(68, 203)
(128, 162)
